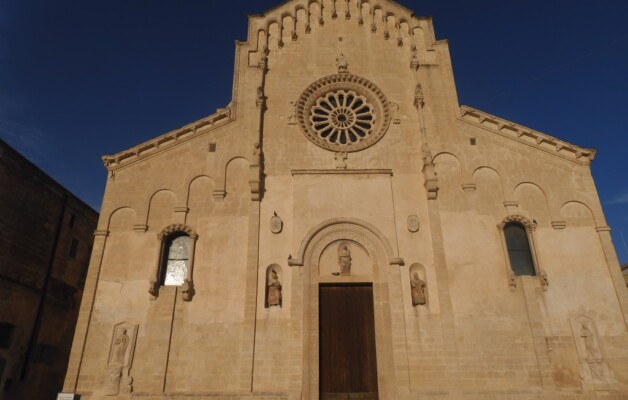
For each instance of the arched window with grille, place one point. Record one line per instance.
(519, 253)
(519, 249)
(175, 260)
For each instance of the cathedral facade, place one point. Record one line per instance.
(345, 229)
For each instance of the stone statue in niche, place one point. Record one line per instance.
(341, 64)
(344, 259)
(273, 290)
(414, 62)
(419, 288)
(292, 113)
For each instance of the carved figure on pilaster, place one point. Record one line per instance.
(394, 108)
(419, 290)
(341, 159)
(344, 259)
(544, 280)
(429, 173)
(153, 288)
(414, 61)
(273, 288)
(261, 99)
(292, 113)
(418, 96)
(341, 64)
(257, 155)
(263, 62)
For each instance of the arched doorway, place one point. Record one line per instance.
(365, 287)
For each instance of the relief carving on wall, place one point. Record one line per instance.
(117, 379)
(276, 224)
(341, 64)
(594, 371)
(344, 259)
(413, 223)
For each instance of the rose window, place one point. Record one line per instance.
(343, 112)
(342, 117)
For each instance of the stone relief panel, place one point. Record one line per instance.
(345, 258)
(274, 289)
(121, 350)
(594, 371)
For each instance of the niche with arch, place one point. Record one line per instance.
(418, 285)
(273, 285)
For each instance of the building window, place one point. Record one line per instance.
(518, 247)
(6, 334)
(175, 260)
(519, 250)
(44, 354)
(72, 218)
(74, 247)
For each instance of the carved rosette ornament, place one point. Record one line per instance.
(413, 223)
(343, 113)
(276, 224)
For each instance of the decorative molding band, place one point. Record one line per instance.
(469, 187)
(342, 172)
(140, 227)
(167, 140)
(602, 228)
(527, 136)
(103, 232)
(559, 224)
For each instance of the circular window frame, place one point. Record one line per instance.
(344, 83)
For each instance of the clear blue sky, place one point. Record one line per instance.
(79, 79)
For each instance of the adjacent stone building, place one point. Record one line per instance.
(46, 234)
(345, 229)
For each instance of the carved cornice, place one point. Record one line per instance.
(527, 136)
(168, 140)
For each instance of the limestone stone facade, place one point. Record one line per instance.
(344, 160)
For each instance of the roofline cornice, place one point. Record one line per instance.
(530, 137)
(168, 140)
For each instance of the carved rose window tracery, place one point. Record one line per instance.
(343, 117)
(343, 113)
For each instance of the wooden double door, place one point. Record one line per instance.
(348, 363)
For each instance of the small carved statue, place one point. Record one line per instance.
(120, 345)
(341, 64)
(414, 62)
(153, 289)
(341, 160)
(260, 93)
(257, 154)
(394, 107)
(274, 290)
(187, 290)
(292, 113)
(344, 259)
(418, 95)
(419, 288)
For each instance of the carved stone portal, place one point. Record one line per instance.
(121, 351)
(344, 259)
